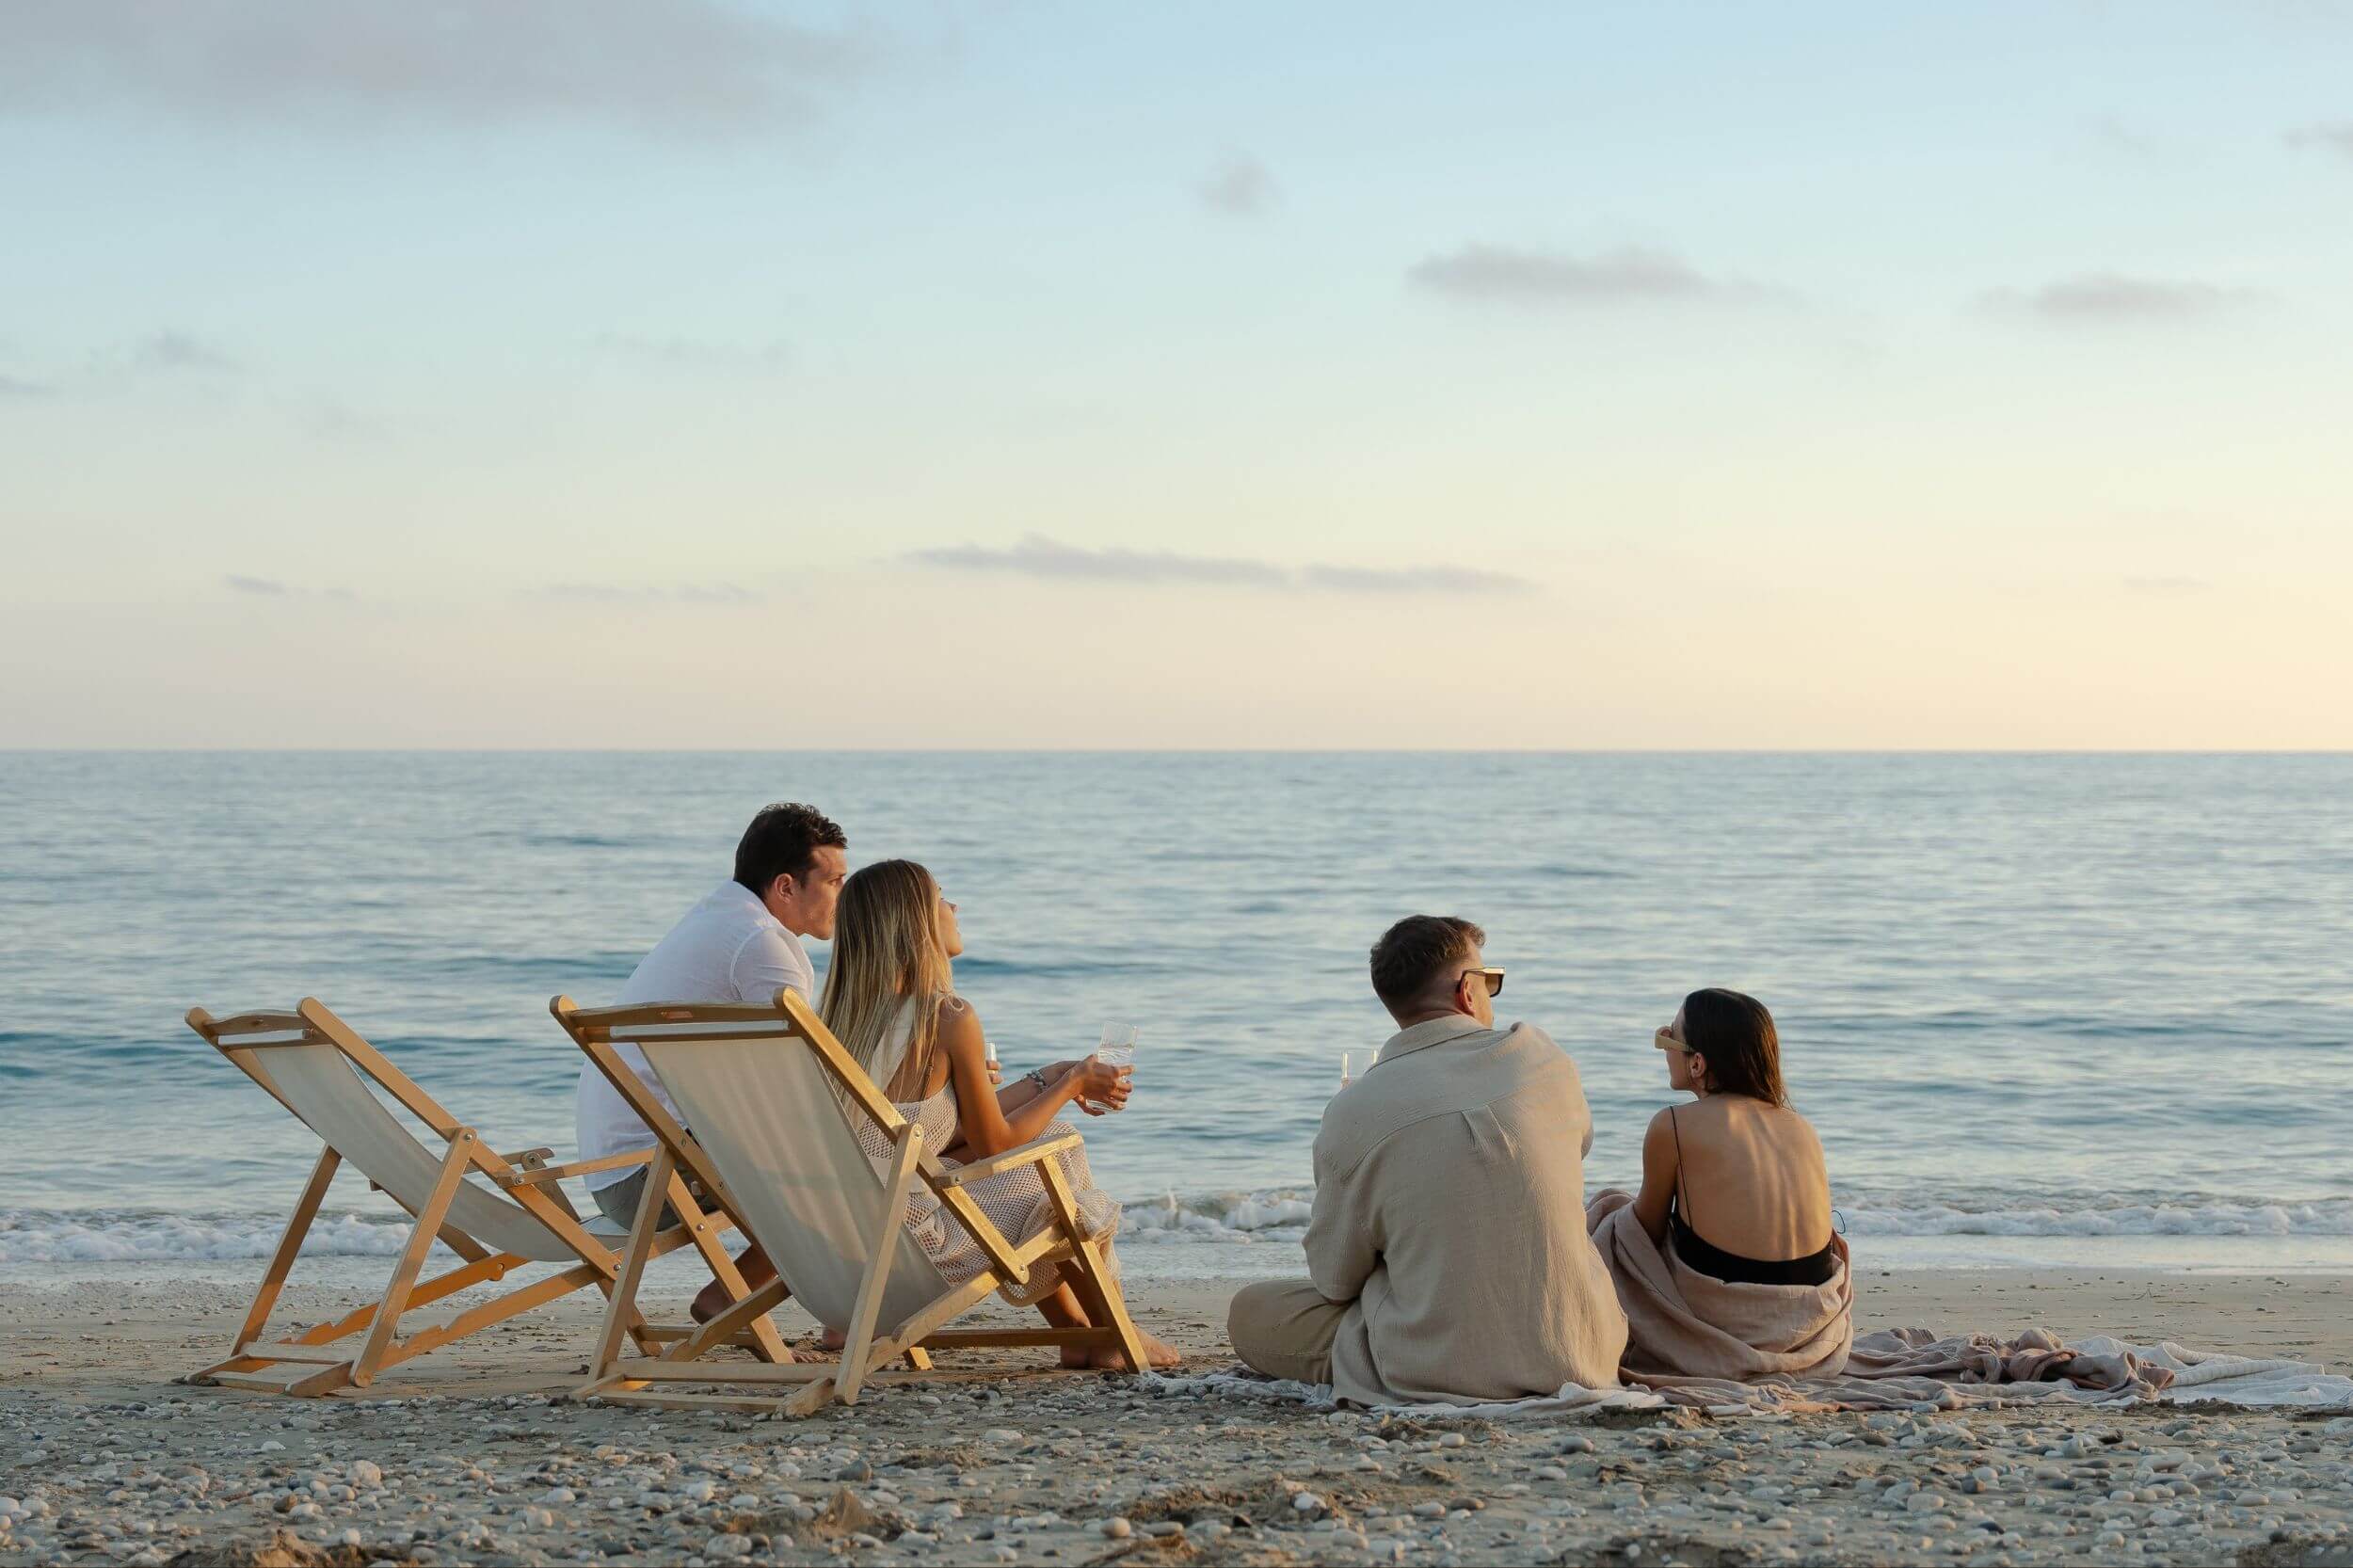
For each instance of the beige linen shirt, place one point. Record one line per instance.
(1449, 1213)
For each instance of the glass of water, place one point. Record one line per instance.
(1347, 1069)
(1118, 1049)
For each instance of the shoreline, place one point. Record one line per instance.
(472, 1454)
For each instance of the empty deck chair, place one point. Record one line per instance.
(477, 1203)
(769, 1094)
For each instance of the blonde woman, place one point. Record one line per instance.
(890, 999)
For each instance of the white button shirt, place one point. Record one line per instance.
(729, 948)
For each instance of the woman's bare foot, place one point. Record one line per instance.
(1111, 1358)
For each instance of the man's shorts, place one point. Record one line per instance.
(618, 1201)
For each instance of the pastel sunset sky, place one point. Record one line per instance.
(595, 372)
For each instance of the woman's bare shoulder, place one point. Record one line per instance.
(954, 1020)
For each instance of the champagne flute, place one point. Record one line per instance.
(1347, 1069)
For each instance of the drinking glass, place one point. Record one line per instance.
(1347, 1069)
(1118, 1049)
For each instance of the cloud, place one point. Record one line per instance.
(699, 356)
(650, 593)
(692, 66)
(1241, 186)
(2336, 136)
(270, 588)
(324, 419)
(1037, 556)
(2100, 299)
(2113, 135)
(169, 350)
(1497, 274)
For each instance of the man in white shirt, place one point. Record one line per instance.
(741, 943)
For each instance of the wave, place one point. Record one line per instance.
(1277, 1216)
(1273, 1216)
(2321, 1217)
(1281, 1215)
(37, 1236)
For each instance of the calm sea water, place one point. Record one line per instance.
(2059, 1008)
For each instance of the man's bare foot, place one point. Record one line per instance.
(713, 1298)
(710, 1301)
(1111, 1358)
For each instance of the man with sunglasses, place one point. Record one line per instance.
(1447, 1257)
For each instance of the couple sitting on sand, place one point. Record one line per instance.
(1452, 1258)
(889, 998)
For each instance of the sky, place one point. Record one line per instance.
(720, 374)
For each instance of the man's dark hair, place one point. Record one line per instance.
(782, 841)
(1413, 954)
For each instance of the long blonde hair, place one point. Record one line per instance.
(888, 955)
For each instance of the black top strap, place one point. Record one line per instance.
(1682, 1199)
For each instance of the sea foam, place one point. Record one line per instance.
(1277, 1216)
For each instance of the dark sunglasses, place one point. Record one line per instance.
(1493, 975)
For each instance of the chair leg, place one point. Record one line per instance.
(282, 1262)
(860, 1335)
(704, 1228)
(1096, 1291)
(620, 1294)
(412, 1256)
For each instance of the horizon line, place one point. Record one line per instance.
(1173, 751)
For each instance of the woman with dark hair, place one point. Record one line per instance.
(1737, 1178)
(1726, 1263)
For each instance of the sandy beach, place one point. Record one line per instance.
(474, 1455)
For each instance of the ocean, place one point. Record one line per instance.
(2045, 1009)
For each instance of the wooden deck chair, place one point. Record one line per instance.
(311, 1062)
(757, 1085)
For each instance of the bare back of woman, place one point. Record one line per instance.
(1737, 1177)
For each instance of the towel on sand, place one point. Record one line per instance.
(1685, 1327)
(1699, 1340)
(1750, 1349)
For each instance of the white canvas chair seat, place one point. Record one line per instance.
(495, 1216)
(769, 1093)
(318, 1084)
(814, 1199)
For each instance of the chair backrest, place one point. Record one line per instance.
(299, 1060)
(755, 1089)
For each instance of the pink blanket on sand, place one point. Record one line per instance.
(1696, 1339)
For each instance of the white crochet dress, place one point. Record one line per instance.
(1015, 1201)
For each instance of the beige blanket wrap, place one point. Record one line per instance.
(1698, 1341)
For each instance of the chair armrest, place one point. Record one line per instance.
(532, 1158)
(980, 1170)
(578, 1167)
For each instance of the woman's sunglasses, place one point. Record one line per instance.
(1493, 975)
(1665, 1041)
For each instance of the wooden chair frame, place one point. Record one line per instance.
(320, 1363)
(869, 1347)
